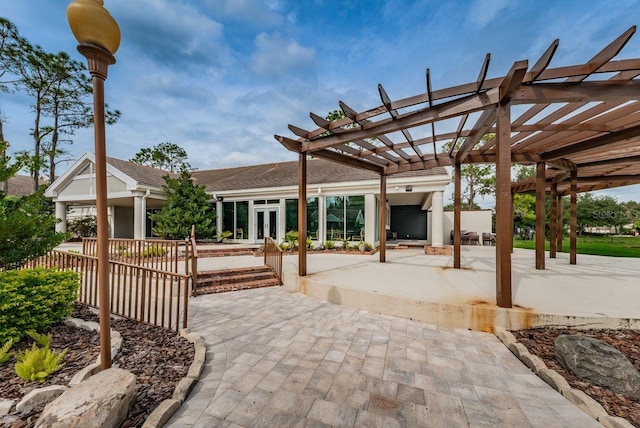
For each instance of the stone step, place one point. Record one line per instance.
(226, 252)
(236, 279)
(223, 273)
(239, 286)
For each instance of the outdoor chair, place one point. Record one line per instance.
(473, 238)
(239, 234)
(488, 237)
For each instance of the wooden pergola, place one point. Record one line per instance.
(579, 124)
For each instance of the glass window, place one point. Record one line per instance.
(242, 220)
(259, 202)
(335, 218)
(377, 227)
(291, 214)
(273, 201)
(354, 223)
(312, 218)
(345, 217)
(228, 214)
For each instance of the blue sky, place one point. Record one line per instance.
(221, 77)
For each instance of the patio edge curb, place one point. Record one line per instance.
(556, 381)
(168, 407)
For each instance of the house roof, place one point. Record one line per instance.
(144, 175)
(20, 185)
(284, 174)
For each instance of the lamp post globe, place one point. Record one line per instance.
(98, 36)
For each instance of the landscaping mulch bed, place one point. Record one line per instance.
(159, 359)
(540, 342)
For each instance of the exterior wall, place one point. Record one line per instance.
(474, 221)
(84, 185)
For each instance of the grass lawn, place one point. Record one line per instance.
(618, 246)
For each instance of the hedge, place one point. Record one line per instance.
(35, 299)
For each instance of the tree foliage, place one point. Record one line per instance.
(187, 204)
(597, 211)
(477, 179)
(60, 89)
(167, 156)
(27, 229)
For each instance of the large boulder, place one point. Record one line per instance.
(103, 401)
(596, 362)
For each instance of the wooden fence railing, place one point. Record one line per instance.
(191, 257)
(157, 253)
(273, 256)
(142, 293)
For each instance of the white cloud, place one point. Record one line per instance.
(482, 12)
(276, 56)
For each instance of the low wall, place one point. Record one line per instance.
(479, 316)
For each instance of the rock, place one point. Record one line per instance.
(317, 246)
(553, 379)
(505, 336)
(183, 388)
(584, 402)
(162, 414)
(84, 374)
(614, 422)
(103, 400)
(338, 245)
(5, 406)
(596, 362)
(38, 397)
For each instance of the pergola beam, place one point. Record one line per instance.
(543, 62)
(446, 110)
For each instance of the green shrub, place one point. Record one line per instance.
(4, 352)
(84, 226)
(329, 245)
(309, 242)
(35, 299)
(36, 364)
(154, 252)
(41, 339)
(285, 246)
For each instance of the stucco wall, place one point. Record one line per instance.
(474, 221)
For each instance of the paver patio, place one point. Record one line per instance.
(277, 359)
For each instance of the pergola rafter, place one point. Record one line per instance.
(580, 126)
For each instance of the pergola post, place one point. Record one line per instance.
(511, 223)
(560, 234)
(540, 214)
(503, 205)
(302, 215)
(383, 218)
(457, 202)
(573, 217)
(553, 220)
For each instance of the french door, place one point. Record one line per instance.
(266, 223)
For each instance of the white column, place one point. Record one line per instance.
(137, 218)
(61, 213)
(370, 218)
(322, 215)
(437, 220)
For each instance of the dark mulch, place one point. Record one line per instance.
(159, 359)
(540, 342)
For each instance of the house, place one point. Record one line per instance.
(257, 201)
(19, 185)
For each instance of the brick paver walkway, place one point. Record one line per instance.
(276, 359)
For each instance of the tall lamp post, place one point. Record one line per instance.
(98, 36)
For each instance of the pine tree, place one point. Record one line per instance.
(187, 204)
